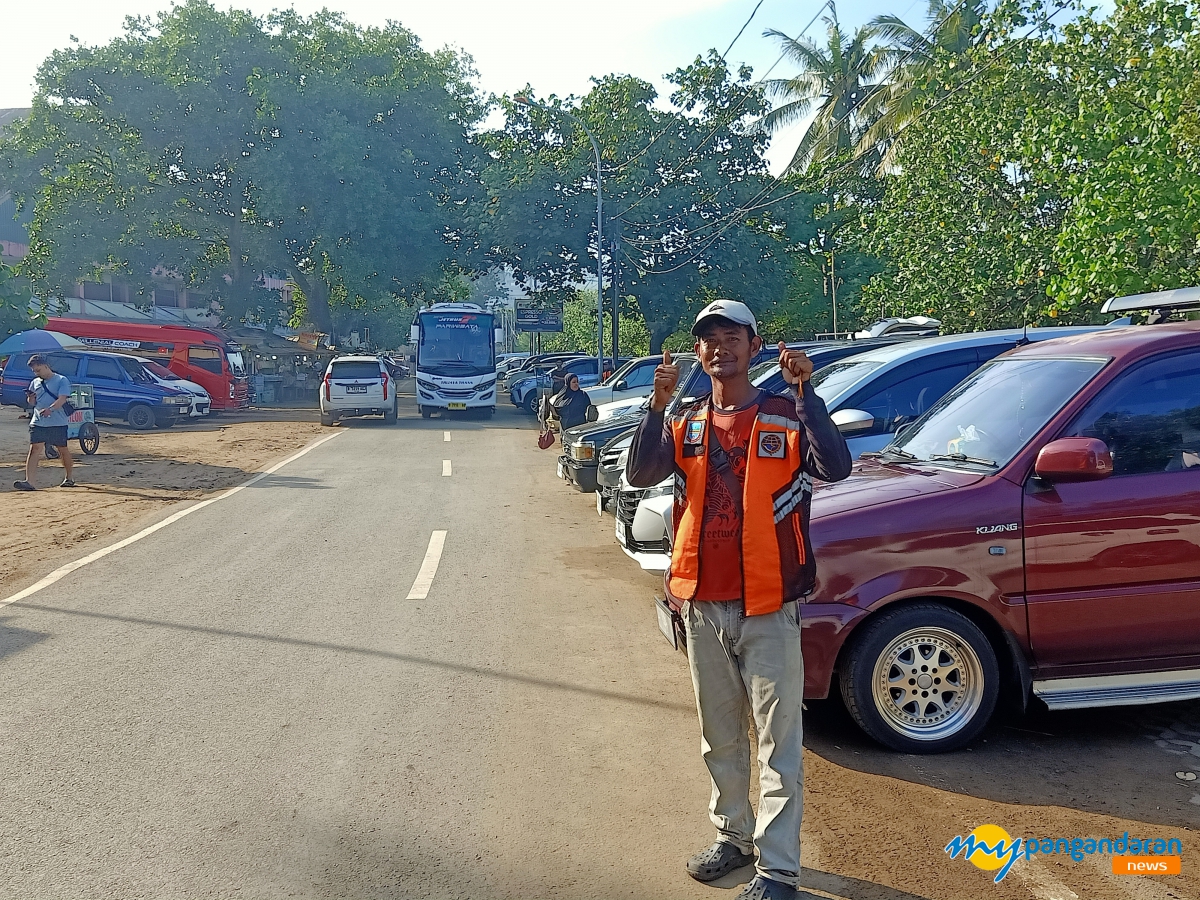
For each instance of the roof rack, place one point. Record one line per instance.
(1177, 300)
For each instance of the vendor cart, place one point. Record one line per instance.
(81, 424)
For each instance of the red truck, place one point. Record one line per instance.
(196, 354)
(1035, 534)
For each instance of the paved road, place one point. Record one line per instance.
(244, 704)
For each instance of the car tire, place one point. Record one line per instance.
(162, 421)
(895, 676)
(530, 404)
(426, 412)
(389, 417)
(140, 417)
(327, 419)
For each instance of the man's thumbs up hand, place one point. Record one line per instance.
(797, 367)
(666, 377)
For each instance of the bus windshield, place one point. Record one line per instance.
(455, 343)
(236, 366)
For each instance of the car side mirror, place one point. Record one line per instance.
(1074, 459)
(852, 421)
(621, 385)
(592, 413)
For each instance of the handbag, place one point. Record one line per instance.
(546, 439)
(68, 407)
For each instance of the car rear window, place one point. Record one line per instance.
(355, 370)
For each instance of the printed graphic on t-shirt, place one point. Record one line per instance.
(721, 528)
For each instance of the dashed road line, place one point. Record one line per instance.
(429, 567)
(63, 571)
(446, 467)
(446, 436)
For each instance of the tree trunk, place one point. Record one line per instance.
(316, 298)
(659, 332)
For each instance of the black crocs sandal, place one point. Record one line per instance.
(767, 889)
(716, 861)
(23, 486)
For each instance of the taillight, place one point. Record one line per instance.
(384, 374)
(327, 397)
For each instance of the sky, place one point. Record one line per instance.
(554, 46)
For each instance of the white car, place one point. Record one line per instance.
(619, 407)
(632, 381)
(644, 523)
(357, 386)
(201, 402)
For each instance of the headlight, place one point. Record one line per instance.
(583, 450)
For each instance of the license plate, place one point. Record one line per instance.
(456, 406)
(622, 533)
(599, 503)
(560, 470)
(356, 389)
(666, 622)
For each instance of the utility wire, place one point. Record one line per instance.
(850, 163)
(745, 25)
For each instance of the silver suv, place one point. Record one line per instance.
(357, 386)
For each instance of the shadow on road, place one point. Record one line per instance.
(14, 640)
(460, 668)
(1120, 761)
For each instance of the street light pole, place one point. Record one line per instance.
(525, 101)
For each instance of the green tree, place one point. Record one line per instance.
(837, 84)
(14, 304)
(219, 146)
(687, 191)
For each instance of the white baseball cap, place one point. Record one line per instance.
(733, 310)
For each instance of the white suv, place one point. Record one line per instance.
(357, 386)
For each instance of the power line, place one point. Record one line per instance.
(751, 207)
(745, 25)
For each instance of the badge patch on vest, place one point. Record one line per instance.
(695, 432)
(770, 444)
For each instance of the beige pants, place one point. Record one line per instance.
(742, 666)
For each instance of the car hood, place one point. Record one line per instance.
(874, 483)
(602, 431)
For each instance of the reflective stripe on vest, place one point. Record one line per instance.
(774, 489)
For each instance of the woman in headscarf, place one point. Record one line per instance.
(570, 404)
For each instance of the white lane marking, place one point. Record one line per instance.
(70, 567)
(446, 467)
(429, 567)
(446, 436)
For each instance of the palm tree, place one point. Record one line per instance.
(912, 57)
(838, 80)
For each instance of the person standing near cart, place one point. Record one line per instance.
(48, 393)
(743, 462)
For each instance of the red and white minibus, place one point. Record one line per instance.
(200, 355)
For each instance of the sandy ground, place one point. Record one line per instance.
(128, 483)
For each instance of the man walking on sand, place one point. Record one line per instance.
(47, 392)
(743, 462)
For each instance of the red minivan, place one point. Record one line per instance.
(195, 354)
(1034, 534)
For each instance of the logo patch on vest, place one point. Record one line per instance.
(695, 432)
(770, 444)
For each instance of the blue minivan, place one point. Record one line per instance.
(123, 388)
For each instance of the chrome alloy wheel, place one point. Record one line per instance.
(927, 683)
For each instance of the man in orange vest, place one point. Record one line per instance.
(743, 462)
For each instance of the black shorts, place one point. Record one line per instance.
(54, 435)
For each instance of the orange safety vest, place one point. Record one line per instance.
(774, 503)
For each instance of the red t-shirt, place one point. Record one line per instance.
(721, 528)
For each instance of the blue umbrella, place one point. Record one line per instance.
(38, 341)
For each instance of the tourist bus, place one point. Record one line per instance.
(455, 358)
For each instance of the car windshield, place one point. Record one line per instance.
(161, 371)
(236, 364)
(995, 411)
(836, 378)
(136, 371)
